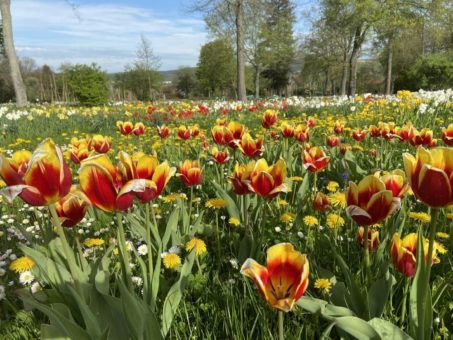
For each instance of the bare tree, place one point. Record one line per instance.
(10, 52)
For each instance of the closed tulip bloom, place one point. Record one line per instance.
(359, 134)
(241, 177)
(101, 144)
(404, 253)
(194, 130)
(268, 181)
(430, 175)
(374, 131)
(285, 278)
(447, 135)
(72, 208)
(251, 147)
(315, 159)
(79, 153)
(370, 202)
(190, 172)
(220, 157)
(163, 131)
(373, 238)
(394, 181)
(423, 137)
(125, 128)
(338, 128)
(406, 133)
(139, 129)
(301, 133)
(218, 133)
(233, 133)
(269, 118)
(184, 132)
(333, 141)
(40, 179)
(287, 130)
(321, 202)
(311, 122)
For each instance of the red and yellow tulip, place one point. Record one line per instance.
(287, 130)
(163, 131)
(101, 144)
(359, 134)
(373, 238)
(241, 177)
(190, 172)
(184, 132)
(430, 175)
(268, 181)
(139, 129)
(315, 159)
(125, 128)
(301, 132)
(41, 178)
(251, 147)
(370, 202)
(72, 208)
(447, 135)
(395, 181)
(321, 202)
(285, 278)
(220, 157)
(269, 118)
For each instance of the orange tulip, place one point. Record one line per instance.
(163, 131)
(190, 172)
(287, 130)
(240, 178)
(301, 133)
(359, 134)
(269, 118)
(315, 159)
(268, 181)
(72, 208)
(107, 187)
(370, 202)
(251, 147)
(220, 157)
(447, 135)
(333, 141)
(125, 128)
(394, 181)
(285, 279)
(373, 239)
(41, 178)
(184, 132)
(404, 253)
(430, 175)
(139, 129)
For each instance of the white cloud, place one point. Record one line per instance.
(52, 32)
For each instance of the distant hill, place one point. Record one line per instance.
(170, 75)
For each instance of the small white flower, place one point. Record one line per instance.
(25, 221)
(143, 249)
(2, 292)
(2, 272)
(136, 280)
(26, 278)
(175, 250)
(278, 229)
(300, 234)
(12, 257)
(234, 263)
(35, 287)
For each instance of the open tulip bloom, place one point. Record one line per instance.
(40, 179)
(285, 278)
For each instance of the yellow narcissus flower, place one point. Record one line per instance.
(324, 285)
(430, 175)
(93, 242)
(199, 245)
(234, 221)
(171, 260)
(420, 216)
(216, 203)
(310, 221)
(334, 221)
(22, 264)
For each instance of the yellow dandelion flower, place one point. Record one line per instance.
(450, 216)
(287, 217)
(234, 221)
(441, 234)
(22, 264)
(282, 203)
(171, 261)
(439, 247)
(216, 203)
(199, 245)
(332, 186)
(296, 178)
(337, 200)
(310, 221)
(323, 284)
(173, 197)
(420, 216)
(334, 221)
(93, 242)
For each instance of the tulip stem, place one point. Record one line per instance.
(190, 206)
(123, 250)
(280, 326)
(432, 233)
(403, 306)
(148, 244)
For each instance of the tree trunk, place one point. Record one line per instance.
(344, 77)
(388, 80)
(18, 83)
(240, 51)
(356, 48)
(257, 81)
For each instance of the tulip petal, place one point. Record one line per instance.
(7, 172)
(146, 166)
(359, 215)
(257, 273)
(434, 187)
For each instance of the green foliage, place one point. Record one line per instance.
(88, 84)
(185, 81)
(141, 83)
(432, 72)
(22, 327)
(216, 68)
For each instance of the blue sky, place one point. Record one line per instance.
(107, 32)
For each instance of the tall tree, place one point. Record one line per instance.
(236, 7)
(148, 63)
(10, 52)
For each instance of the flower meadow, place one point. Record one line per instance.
(293, 218)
